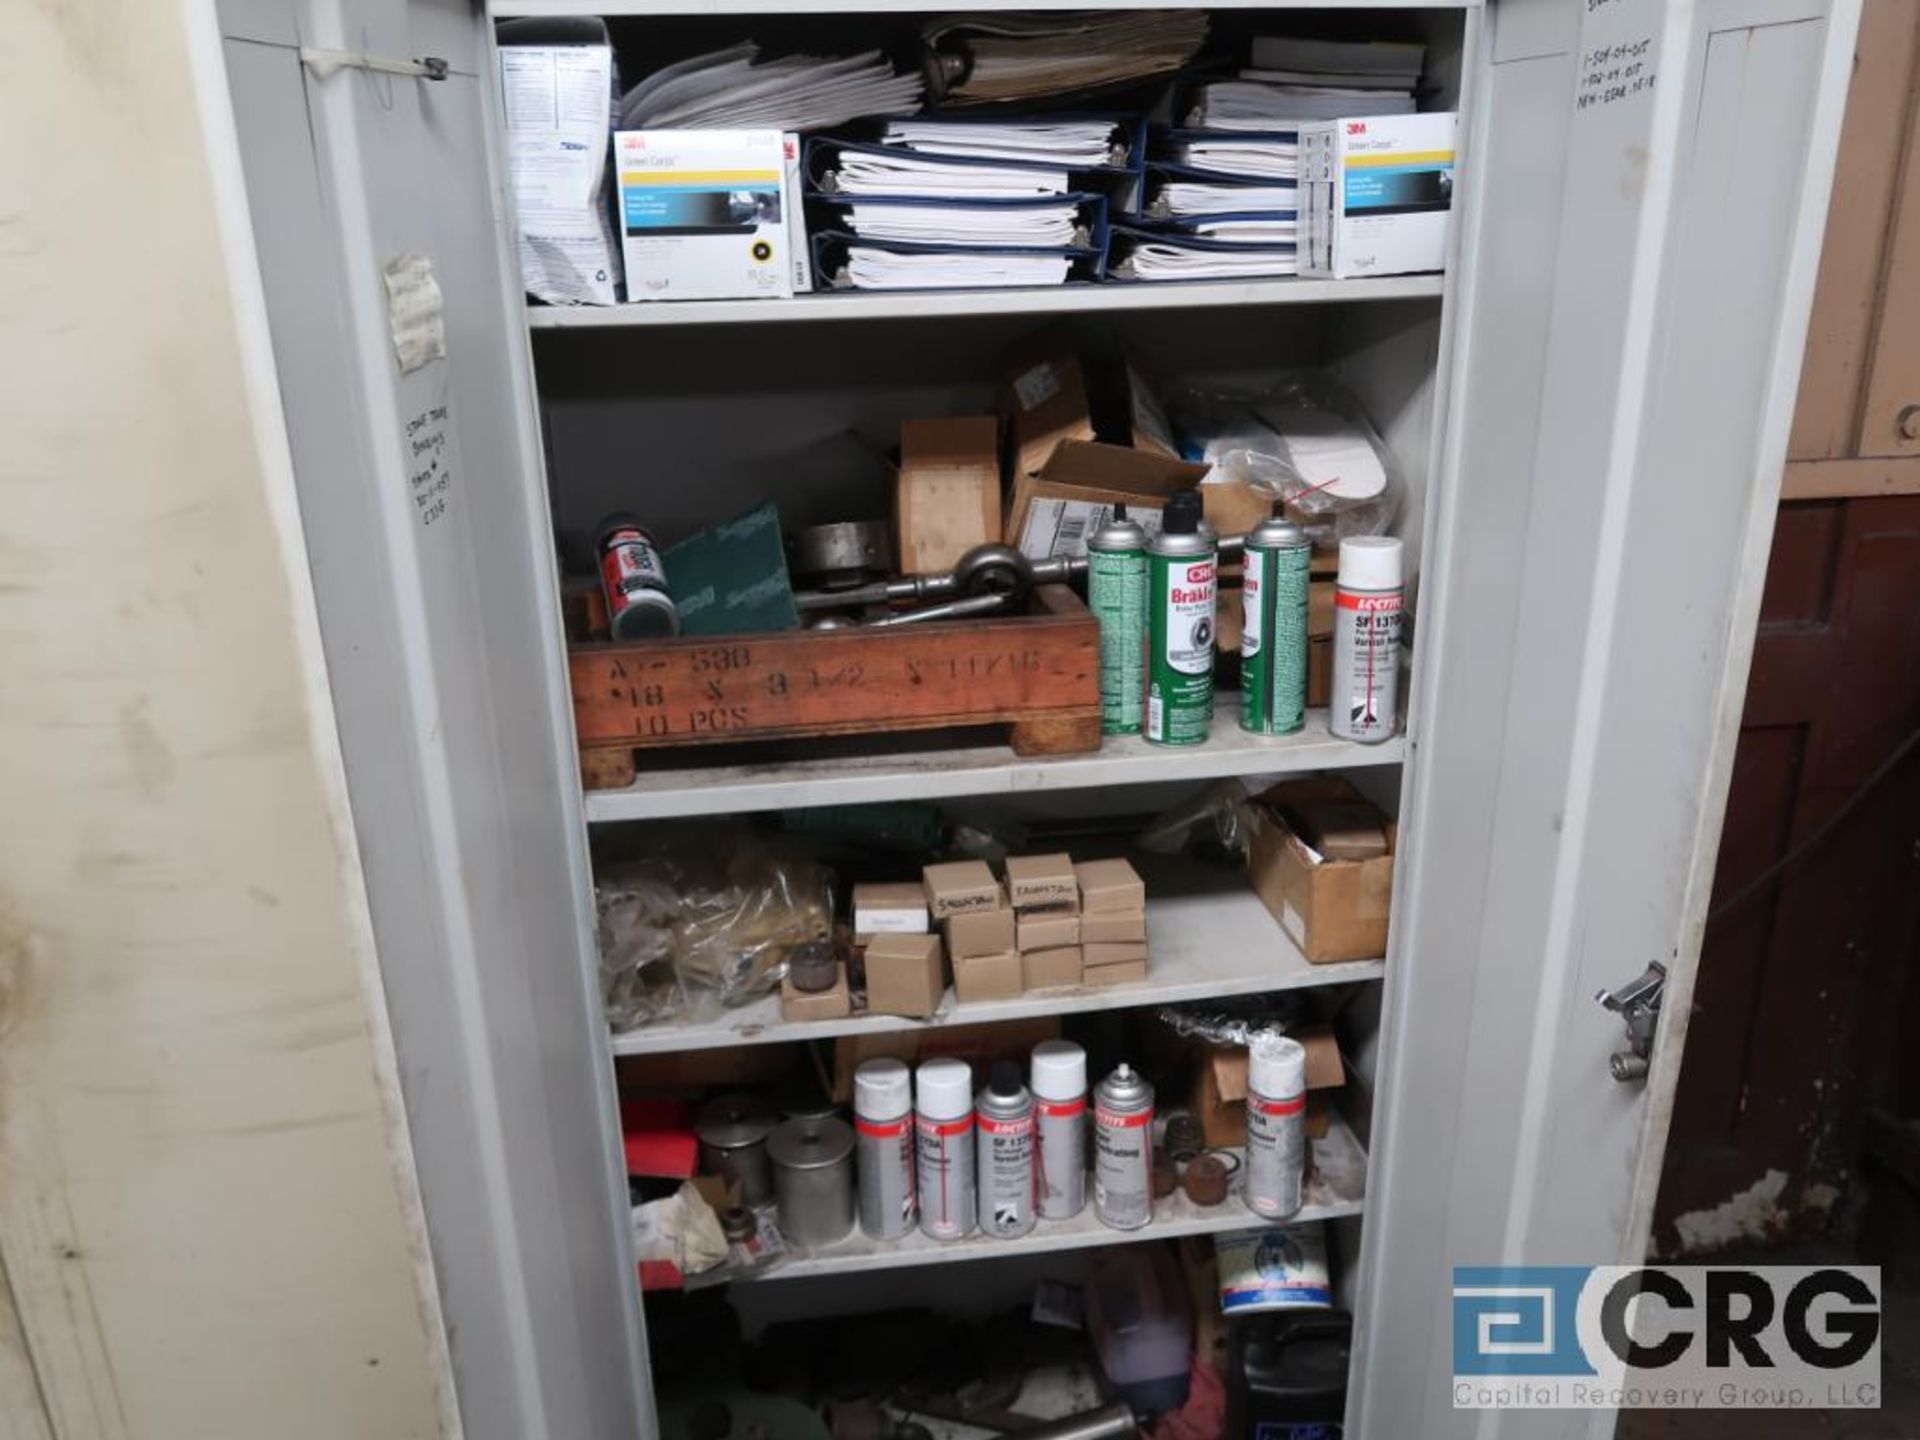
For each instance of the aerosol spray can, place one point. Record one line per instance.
(1059, 1076)
(1273, 632)
(1123, 1150)
(1276, 1124)
(1117, 596)
(634, 580)
(1364, 704)
(1006, 1154)
(943, 1122)
(1181, 590)
(884, 1147)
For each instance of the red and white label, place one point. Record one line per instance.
(1021, 1126)
(1115, 1121)
(945, 1128)
(882, 1129)
(1370, 604)
(1061, 1109)
(1259, 1105)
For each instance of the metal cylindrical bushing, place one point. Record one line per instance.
(813, 1179)
(733, 1132)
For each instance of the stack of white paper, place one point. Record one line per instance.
(1249, 105)
(1083, 143)
(989, 225)
(1168, 260)
(1393, 64)
(733, 90)
(1019, 57)
(1249, 230)
(900, 172)
(1256, 159)
(1181, 198)
(1291, 81)
(872, 269)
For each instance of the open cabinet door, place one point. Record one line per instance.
(394, 307)
(1648, 185)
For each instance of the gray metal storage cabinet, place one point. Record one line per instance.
(1592, 406)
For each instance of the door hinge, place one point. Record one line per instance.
(324, 62)
(1637, 1003)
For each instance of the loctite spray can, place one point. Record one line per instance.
(1182, 566)
(943, 1124)
(1123, 1150)
(1117, 596)
(1059, 1078)
(1273, 630)
(1364, 702)
(634, 580)
(883, 1147)
(1276, 1125)
(1005, 1119)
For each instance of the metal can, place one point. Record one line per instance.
(1123, 1150)
(1117, 596)
(733, 1131)
(1273, 629)
(883, 1147)
(1276, 1125)
(1005, 1118)
(639, 604)
(943, 1135)
(1367, 598)
(1059, 1079)
(813, 1179)
(1182, 570)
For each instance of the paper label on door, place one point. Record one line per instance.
(414, 312)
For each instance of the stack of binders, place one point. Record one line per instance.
(940, 204)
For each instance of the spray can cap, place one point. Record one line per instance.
(1371, 562)
(611, 524)
(1276, 1065)
(1003, 1080)
(1059, 1070)
(882, 1089)
(1182, 513)
(945, 1089)
(1119, 512)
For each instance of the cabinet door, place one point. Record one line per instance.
(423, 508)
(1647, 184)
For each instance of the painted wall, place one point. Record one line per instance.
(203, 1226)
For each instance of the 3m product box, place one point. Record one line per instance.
(704, 214)
(1375, 194)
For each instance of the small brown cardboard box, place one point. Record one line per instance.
(987, 977)
(1044, 969)
(1113, 927)
(979, 932)
(906, 975)
(1109, 885)
(978, 1045)
(1332, 909)
(1034, 881)
(1046, 929)
(833, 1003)
(1088, 475)
(1126, 972)
(1054, 388)
(946, 499)
(1219, 1100)
(894, 908)
(961, 885)
(1130, 952)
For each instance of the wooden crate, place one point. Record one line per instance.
(1037, 674)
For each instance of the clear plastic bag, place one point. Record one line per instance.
(1236, 1022)
(1304, 439)
(1217, 816)
(639, 904)
(734, 936)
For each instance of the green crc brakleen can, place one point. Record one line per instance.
(1182, 566)
(1273, 630)
(1117, 596)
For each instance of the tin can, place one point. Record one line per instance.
(639, 604)
(813, 1179)
(1059, 1079)
(1273, 629)
(883, 1147)
(1367, 598)
(1123, 1150)
(1005, 1119)
(1276, 1125)
(943, 1135)
(1117, 596)
(733, 1130)
(1182, 566)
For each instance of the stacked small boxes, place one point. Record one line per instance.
(1113, 922)
(1046, 907)
(971, 908)
(906, 967)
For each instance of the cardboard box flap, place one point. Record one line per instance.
(1092, 465)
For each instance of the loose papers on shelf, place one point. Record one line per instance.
(980, 58)
(558, 100)
(870, 268)
(986, 225)
(1247, 105)
(733, 89)
(1168, 258)
(1256, 158)
(1180, 198)
(1075, 143)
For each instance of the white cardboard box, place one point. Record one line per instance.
(1376, 194)
(704, 214)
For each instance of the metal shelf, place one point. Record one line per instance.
(983, 770)
(1336, 1187)
(1208, 937)
(936, 304)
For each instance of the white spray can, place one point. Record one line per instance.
(1364, 701)
(943, 1122)
(1059, 1078)
(1123, 1150)
(883, 1147)
(1276, 1124)
(1005, 1118)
